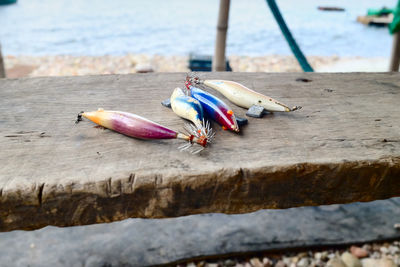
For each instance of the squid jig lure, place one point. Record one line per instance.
(136, 126)
(244, 97)
(214, 107)
(187, 107)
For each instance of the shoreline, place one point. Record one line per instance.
(66, 65)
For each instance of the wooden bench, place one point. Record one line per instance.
(343, 146)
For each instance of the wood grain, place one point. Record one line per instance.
(343, 146)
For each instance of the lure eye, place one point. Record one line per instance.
(224, 128)
(230, 112)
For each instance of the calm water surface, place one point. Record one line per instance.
(178, 27)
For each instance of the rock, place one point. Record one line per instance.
(335, 262)
(229, 263)
(350, 260)
(280, 263)
(332, 256)
(303, 262)
(393, 250)
(287, 260)
(384, 250)
(302, 255)
(378, 263)
(295, 259)
(323, 256)
(359, 252)
(267, 262)
(255, 262)
(396, 260)
(375, 255)
(367, 247)
(318, 256)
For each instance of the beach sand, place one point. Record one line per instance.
(64, 65)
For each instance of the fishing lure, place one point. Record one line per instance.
(136, 126)
(187, 107)
(214, 107)
(244, 97)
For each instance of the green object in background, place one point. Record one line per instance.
(380, 12)
(289, 38)
(7, 2)
(395, 25)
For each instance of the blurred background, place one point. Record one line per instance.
(60, 37)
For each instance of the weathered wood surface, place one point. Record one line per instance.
(343, 146)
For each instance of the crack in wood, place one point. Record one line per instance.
(108, 187)
(131, 181)
(40, 194)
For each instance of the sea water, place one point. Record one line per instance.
(179, 27)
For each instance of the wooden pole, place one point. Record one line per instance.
(219, 63)
(395, 58)
(2, 68)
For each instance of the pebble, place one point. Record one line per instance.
(280, 264)
(295, 259)
(350, 260)
(375, 255)
(304, 262)
(367, 247)
(255, 262)
(358, 252)
(267, 262)
(287, 260)
(318, 256)
(376, 247)
(302, 255)
(229, 263)
(384, 250)
(335, 262)
(371, 255)
(393, 250)
(331, 255)
(378, 263)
